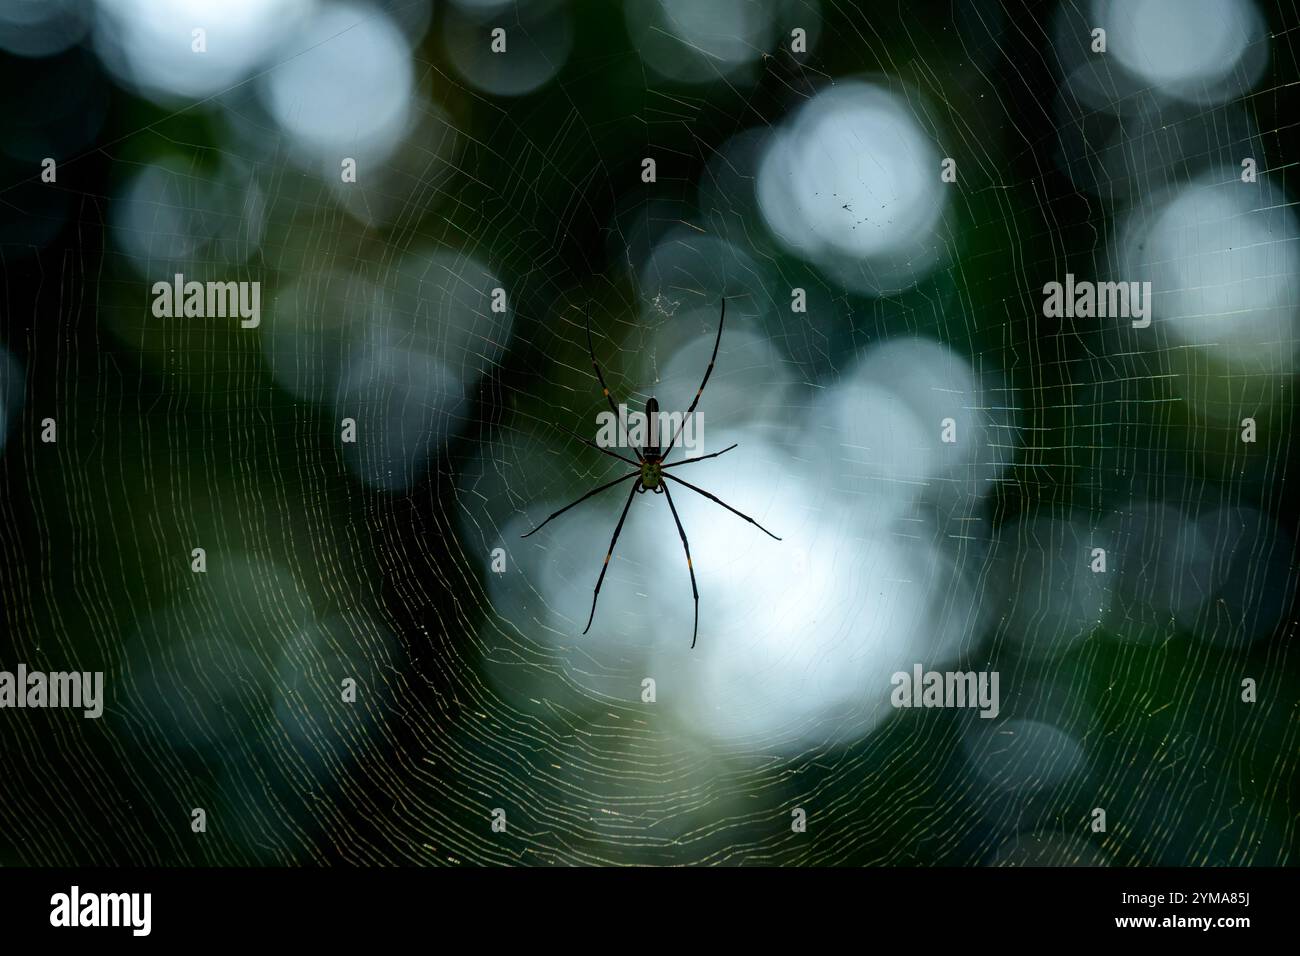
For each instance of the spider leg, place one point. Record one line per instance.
(605, 567)
(600, 377)
(707, 372)
(689, 567)
(595, 491)
(687, 461)
(606, 451)
(715, 498)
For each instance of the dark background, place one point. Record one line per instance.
(172, 434)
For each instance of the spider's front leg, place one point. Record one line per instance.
(613, 543)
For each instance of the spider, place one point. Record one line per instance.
(652, 474)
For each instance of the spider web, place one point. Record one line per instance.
(397, 561)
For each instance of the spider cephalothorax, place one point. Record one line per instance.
(652, 474)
